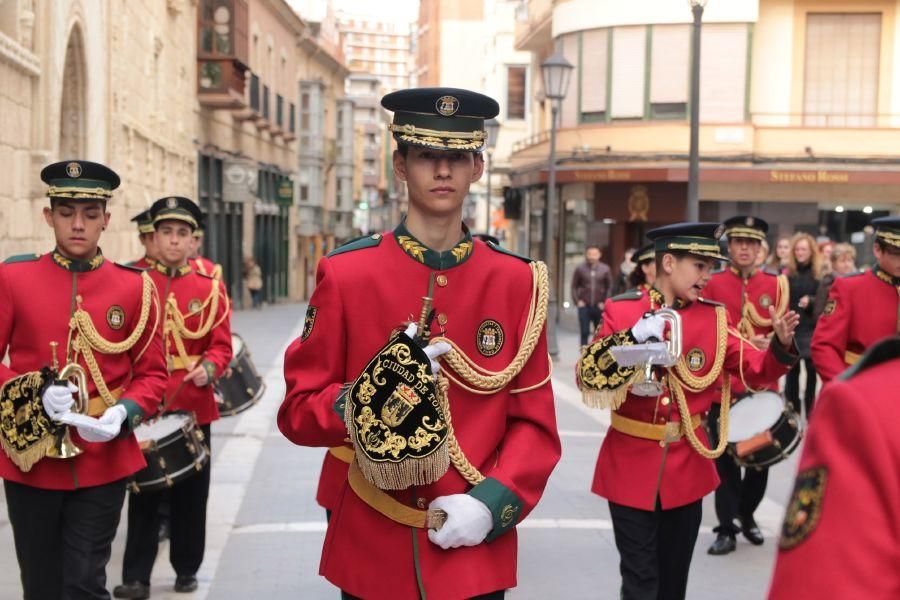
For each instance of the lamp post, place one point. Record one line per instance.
(492, 128)
(693, 199)
(555, 72)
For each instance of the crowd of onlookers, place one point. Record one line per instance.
(810, 266)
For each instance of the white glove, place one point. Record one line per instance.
(433, 351)
(58, 399)
(108, 425)
(650, 326)
(468, 521)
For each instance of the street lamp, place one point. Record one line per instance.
(492, 128)
(693, 200)
(555, 72)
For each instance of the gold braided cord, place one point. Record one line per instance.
(743, 341)
(81, 320)
(175, 321)
(478, 380)
(782, 297)
(685, 413)
(686, 379)
(156, 312)
(87, 339)
(697, 384)
(459, 135)
(465, 468)
(493, 381)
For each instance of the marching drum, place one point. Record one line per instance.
(174, 448)
(762, 430)
(244, 387)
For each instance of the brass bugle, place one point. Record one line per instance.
(63, 446)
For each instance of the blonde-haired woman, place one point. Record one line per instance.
(804, 269)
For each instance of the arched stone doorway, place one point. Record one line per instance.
(73, 114)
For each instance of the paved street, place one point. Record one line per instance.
(265, 529)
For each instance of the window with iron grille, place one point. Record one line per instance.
(254, 92)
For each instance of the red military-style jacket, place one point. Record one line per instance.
(204, 266)
(747, 301)
(144, 262)
(634, 471)
(860, 310)
(510, 437)
(38, 296)
(841, 535)
(202, 303)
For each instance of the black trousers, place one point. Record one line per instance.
(655, 549)
(792, 387)
(589, 318)
(187, 526)
(736, 498)
(63, 538)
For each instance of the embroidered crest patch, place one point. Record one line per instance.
(309, 322)
(195, 305)
(489, 338)
(805, 507)
(115, 317)
(447, 106)
(695, 358)
(829, 306)
(765, 301)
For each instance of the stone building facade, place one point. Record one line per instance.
(57, 100)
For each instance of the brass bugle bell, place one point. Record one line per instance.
(63, 446)
(647, 384)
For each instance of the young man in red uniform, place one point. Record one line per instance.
(68, 306)
(482, 303)
(198, 349)
(861, 309)
(747, 294)
(841, 521)
(144, 221)
(654, 466)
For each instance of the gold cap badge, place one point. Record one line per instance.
(447, 105)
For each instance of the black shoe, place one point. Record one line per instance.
(132, 589)
(185, 583)
(724, 544)
(751, 531)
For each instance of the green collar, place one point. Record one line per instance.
(737, 272)
(895, 281)
(172, 271)
(77, 266)
(453, 257)
(658, 300)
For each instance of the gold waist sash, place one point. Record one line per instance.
(342, 453)
(177, 364)
(388, 506)
(669, 432)
(851, 358)
(97, 405)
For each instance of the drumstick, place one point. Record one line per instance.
(166, 401)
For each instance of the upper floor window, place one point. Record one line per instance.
(842, 65)
(516, 79)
